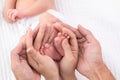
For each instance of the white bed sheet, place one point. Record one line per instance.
(102, 17)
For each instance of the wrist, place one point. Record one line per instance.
(101, 72)
(25, 13)
(52, 77)
(70, 76)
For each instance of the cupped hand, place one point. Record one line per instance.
(20, 65)
(43, 64)
(90, 55)
(66, 45)
(45, 35)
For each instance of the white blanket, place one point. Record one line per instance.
(102, 17)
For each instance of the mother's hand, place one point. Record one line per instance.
(20, 65)
(41, 63)
(45, 34)
(50, 33)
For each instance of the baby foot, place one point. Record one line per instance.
(58, 42)
(50, 51)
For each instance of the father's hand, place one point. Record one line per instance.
(41, 63)
(90, 61)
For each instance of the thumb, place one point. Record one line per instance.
(66, 47)
(33, 58)
(35, 55)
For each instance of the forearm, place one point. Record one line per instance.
(38, 7)
(101, 73)
(9, 4)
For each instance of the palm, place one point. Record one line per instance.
(24, 69)
(49, 61)
(89, 56)
(67, 64)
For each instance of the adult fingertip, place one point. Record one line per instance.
(58, 26)
(65, 43)
(79, 27)
(66, 47)
(31, 51)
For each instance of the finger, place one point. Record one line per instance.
(58, 26)
(29, 39)
(32, 62)
(15, 54)
(10, 14)
(58, 46)
(51, 52)
(35, 31)
(74, 30)
(86, 33)
(73, 40)
(47, 34)
(23, 41)
(66, 47)
(39, 37)
(35, 59)
(33, 55)
(30, 50)
(13, 17)
(52, 36)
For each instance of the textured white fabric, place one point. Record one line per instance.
(102, 17)
(28, 22)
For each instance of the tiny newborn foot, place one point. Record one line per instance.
(51, 52)
(58, 42)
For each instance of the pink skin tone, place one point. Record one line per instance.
(40, 43)
(55, 52)
(52, 52)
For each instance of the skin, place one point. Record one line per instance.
(40, 41)
(42, 63)
(50, 34)
(70, 55)
(90, 62)
(9, 4)
(91, 66)
(20, 65)
(17, 9)
(47, 20)
(68, 43)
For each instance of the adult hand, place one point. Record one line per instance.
(19, 63)
(41, 63)
(66, 44)
(46, 34)
(90, 61)
(50, 32)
